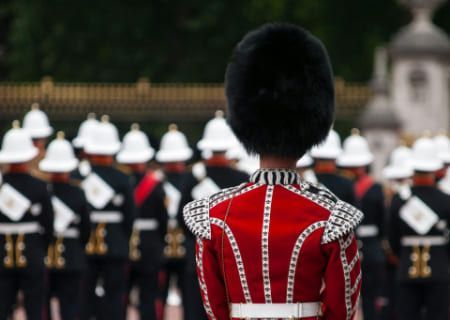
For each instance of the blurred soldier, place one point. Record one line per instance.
(277, 246)
(207, 178)
(305, 168)
(110, 196)
(149, 230)
(356, 158)
(398, 175)
(66, 258)
(36, 123)
(442, 143)
(173, 153)
(84, 132)
(418, 234)
(399, 172)
(325, 168)
(26, 218)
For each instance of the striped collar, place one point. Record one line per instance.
(275, 176)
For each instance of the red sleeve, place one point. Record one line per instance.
(342, 279)
(211, 281)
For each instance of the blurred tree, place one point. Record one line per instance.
(177, 40)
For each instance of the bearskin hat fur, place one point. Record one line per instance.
(280, 91)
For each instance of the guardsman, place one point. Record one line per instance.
(149, 230)
(418, 234)
(325, 168)
(110, 197)
(173, 153)
(356, 158)
(83, 134)
(207, 178)
(26, 226)
(66, 259)
(277, 246)
(36, 123)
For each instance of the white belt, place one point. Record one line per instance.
(366, 231)
(106, 217)
(411, 241)
(20, 228)
(70, 233)
(146, 224)
(276, 310)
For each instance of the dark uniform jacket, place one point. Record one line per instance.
(151, 242)
(223, 177)
(340, 186)
(71, 248)
(437, 256)
(40, 212)
(116, 235)
(371, 203)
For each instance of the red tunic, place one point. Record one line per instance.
(276, 239)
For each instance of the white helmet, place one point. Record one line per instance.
(104, 139)
(237, 151)
(356, 152)
(135, 147)
(442, 143)
(17, 146)
(329, 149)
(59, 156)
(305, 161)
(249, 164)
(425, 156)
(36, 123)
(174, 146)
(84, 131)
(400, 166)
(217, 135)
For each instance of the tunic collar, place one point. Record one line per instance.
(275, 176)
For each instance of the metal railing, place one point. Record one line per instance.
(142, 100)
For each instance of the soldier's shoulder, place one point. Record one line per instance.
(343, 217)
(196, 213)
(36, 182)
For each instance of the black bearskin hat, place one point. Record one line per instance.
(280, 91)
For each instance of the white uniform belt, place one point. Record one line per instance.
(20, 228)
(70, 233)
(276, 310)
(366, 231)
(106, 217)
(146, 224)
(411, 241)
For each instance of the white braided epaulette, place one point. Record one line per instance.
(196, 213)
(343, 220)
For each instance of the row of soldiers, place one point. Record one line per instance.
(85, 221)
(403, 237)
(101, 229)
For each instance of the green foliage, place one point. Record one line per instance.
(179, 40)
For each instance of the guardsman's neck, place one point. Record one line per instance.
(275, 162)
